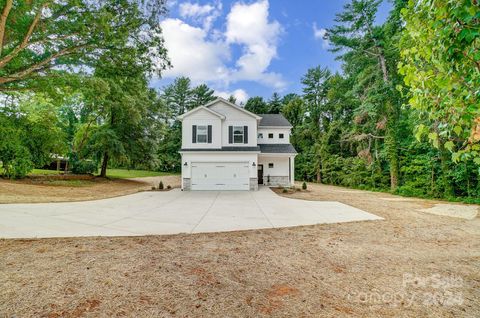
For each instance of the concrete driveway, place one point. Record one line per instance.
(170, 213)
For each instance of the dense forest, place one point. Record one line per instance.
(402, 116)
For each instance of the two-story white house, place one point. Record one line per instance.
(225, 147)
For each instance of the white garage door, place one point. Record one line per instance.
(220, 176)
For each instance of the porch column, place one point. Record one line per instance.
(292, 170)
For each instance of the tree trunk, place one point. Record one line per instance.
(383, 66)
(391, 145)
(391, 141)
(3, 23)
(103, 172)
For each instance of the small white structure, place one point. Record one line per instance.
(225, 147)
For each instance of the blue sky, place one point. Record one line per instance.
(249, 48)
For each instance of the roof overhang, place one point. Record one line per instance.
(181, 117)
(218, 152)
(276, 127)
(282, 154)
(233, 149)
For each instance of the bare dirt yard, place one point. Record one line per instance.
(412, 264)
(55, 189)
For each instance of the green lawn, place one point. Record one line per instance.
(111, 173)
(124, 173)
(44, 172)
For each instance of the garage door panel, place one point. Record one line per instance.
(220, 176)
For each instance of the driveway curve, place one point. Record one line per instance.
(171, 212)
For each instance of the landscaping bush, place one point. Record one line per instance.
(18, 167)
(84, 167)
(15, 158)
(285, 190)
(160, 186)
(304, 185)
(169, 187)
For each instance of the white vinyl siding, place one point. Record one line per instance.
(274, 135)
(274, 166)
(202, 118)
(235, 117)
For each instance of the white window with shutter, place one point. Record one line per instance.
(238, 134)
(202, 134)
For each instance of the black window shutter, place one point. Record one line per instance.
(230, 134)
(194, 134)
(209, 134)
(245, 134)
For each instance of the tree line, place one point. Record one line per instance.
(402, 115)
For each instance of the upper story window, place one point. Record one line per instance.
(281, 136)
(270, 136)
(202, 134)
(260, 135)
(238, 134)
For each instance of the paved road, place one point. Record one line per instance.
(170, 213)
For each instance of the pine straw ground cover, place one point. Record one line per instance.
(412, 264)
(81, 188)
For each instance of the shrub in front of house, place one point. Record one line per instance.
(169, 187)
(84, 167)
(160, 186)
(304, 185)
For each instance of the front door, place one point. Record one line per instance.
(260, 174)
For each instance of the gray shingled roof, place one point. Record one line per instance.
(274, 120)
(277, 148)
(234, 148)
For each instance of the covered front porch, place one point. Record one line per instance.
(276, 170)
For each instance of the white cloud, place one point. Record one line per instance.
(188, 9)
(192, 54)
(171, 3)
(319, 33)
(202, 53)
(240, 95)
(248, 25)
(204, 14)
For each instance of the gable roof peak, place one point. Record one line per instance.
(221, 99)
